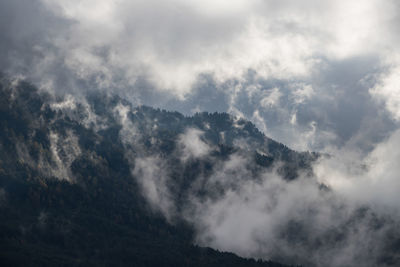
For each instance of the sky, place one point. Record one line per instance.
(315, 75)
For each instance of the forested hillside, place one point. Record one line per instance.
(71, 192)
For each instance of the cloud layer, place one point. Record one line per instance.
(315, 75)
(318, 73)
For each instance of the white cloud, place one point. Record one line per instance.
(191, 145)
(172, 42)
(302, 92)
(67, 103)
(371, 179)
(129, 133)
(151, 174)
(297, 67)
(388, 90)
(157, 50)
(272, 99)
(294, 222)
(64, 151)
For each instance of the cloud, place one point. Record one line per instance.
(67, 103)
(128, 134)
(371, 179)
(262, 215)
(315, 75)
(173, 42)
(191, 57)
(387, 90)
(64, 150)
(191, 145)
(152, 176)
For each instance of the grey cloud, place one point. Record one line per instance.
(338, 111)
(252, 59)
(144, 50)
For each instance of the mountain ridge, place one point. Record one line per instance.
(70, 194)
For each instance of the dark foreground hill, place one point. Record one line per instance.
(69, 193)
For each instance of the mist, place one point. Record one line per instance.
(346, 214)
(316, 76)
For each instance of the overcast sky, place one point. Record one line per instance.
(315, 75)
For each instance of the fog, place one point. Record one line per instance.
(317, 76)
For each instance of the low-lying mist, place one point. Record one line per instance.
(346, 214)
(343, 211)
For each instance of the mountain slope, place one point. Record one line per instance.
(73, 179)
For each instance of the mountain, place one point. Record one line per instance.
(74, 178)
